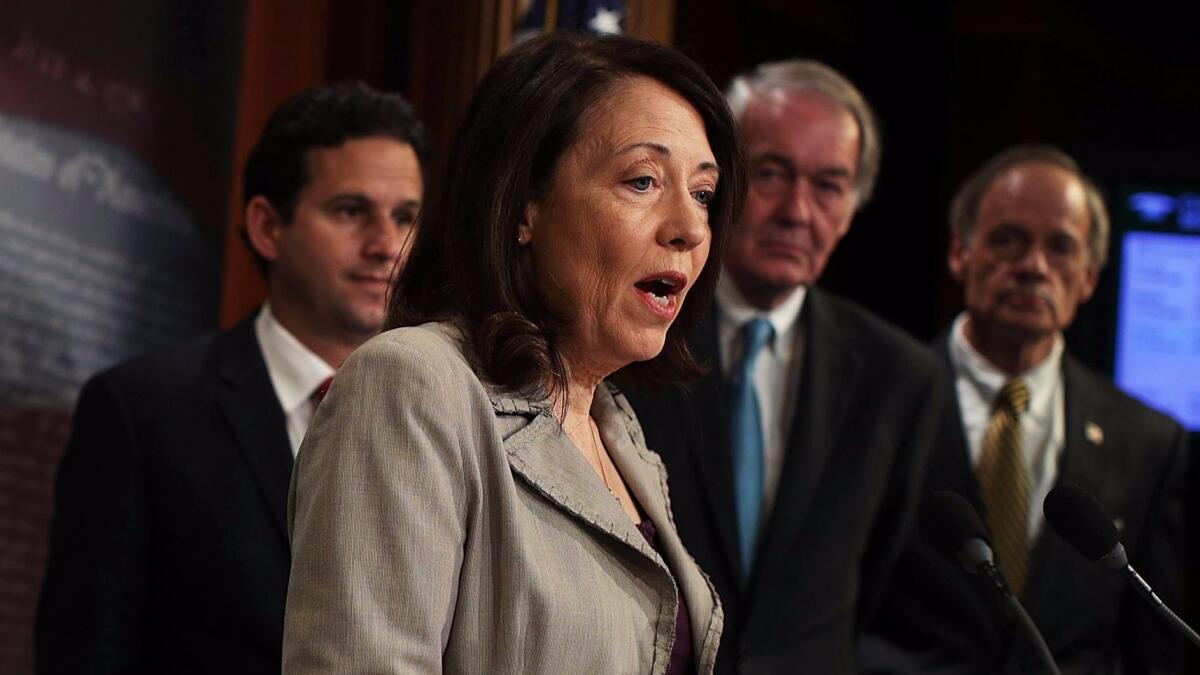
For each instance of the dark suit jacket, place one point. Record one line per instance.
(865, 419)
(940, 620)
(168, 547)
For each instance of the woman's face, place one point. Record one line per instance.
(623, 232)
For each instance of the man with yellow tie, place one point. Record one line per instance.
(1029, 238)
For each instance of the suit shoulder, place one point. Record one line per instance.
(164, 369)
(876, 336)
(436, 345)
(1117, 404)
(430, 359)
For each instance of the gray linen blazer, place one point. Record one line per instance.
(440, 525)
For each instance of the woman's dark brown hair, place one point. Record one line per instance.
(466, 265)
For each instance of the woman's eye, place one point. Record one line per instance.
(703, 196)
(641, 183)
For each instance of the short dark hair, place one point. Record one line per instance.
(466, 265)
(964, 209)
(324, 116)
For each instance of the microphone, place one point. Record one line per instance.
(1078, 519)
(950, 524)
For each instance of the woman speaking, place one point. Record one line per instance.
(474, 496)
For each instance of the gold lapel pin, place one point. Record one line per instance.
(1094, 433)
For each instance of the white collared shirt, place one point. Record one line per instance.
(295, 373)
(776, 373)
(1043, 425)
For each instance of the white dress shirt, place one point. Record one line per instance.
(295, 373)
(1043, 425)
(776, 373)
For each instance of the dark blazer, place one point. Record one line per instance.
(168, 545)
(865, 418)
(1127, 456)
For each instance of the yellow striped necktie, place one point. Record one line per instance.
(1004, 481)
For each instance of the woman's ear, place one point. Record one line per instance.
(264, 227)
(526, 226)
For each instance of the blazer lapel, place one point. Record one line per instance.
(829, 376)
(248, 402)
(1084, 460)
(949, 466)
(541, 454)
(712, 453)
(1085, 455)
(646, 478)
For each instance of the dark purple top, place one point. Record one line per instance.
(681, 653)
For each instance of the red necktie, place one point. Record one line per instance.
(320, 391)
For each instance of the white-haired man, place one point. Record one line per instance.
(794, 465)
(1029, 237)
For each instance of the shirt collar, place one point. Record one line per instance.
(294, 369)
(735, 311)
(1041, 380)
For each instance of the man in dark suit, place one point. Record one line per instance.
(168, 548)
(1030, 235)
(794, 464)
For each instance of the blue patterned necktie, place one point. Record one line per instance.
(746, 439)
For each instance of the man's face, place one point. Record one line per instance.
(1026, 268)
(331, 266)
(803, 157)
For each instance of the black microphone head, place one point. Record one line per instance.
(948, 520)
(1076, 517)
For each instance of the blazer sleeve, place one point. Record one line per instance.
(897, 513)
(1149, 643)
(90, 616)
(378, 517)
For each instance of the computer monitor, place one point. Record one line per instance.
(1156, 355)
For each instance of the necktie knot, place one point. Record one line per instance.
(755, 335)
(1013, 397)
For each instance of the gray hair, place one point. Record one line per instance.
(801, 75)
(964, 210)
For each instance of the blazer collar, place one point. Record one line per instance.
(831, 366)
(542, 454)
(949, 466)
(646, 477)
(1085, 454)
(248, 403)
(1086, 461)
(711, 453)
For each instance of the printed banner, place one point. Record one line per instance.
(116, 127)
